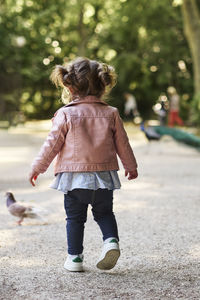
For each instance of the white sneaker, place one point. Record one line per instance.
(74, 263)
(110, 254)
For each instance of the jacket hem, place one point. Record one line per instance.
(87, 168)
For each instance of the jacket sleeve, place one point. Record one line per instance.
(52, 144)
(122, 145)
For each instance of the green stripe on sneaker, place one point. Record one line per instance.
(77, 259)
(114, 241)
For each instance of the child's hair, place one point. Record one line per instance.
(85, 77)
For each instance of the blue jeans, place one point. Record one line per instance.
(76, 204)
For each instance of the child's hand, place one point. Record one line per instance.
(131, 174)
(32, 178)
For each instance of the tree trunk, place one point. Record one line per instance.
(191, 19)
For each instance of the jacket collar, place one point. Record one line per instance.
(87, 99)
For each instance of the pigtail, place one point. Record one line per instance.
(58, 75)
(107, 76)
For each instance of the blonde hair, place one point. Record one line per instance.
(84, 77)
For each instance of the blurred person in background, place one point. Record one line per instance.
(174, 103)
(130, 107)
(161, 109)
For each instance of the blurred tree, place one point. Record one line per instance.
(191, 18)
(143, 39)
(35, 36)
(149, 45)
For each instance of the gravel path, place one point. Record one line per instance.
(159, 225)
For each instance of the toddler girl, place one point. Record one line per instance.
(87, 134)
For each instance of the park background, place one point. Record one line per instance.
(152, 45)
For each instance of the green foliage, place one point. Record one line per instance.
(147, 60)
(143, 39)
(195, 110)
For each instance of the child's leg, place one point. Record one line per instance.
(76, 212)
(102, 209)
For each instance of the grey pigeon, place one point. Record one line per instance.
(20, 210)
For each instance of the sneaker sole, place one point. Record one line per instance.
(110, 260)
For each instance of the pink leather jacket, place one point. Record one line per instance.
(86, 136)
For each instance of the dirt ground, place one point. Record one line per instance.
(158, 217)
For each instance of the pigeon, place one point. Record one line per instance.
(21, 210)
